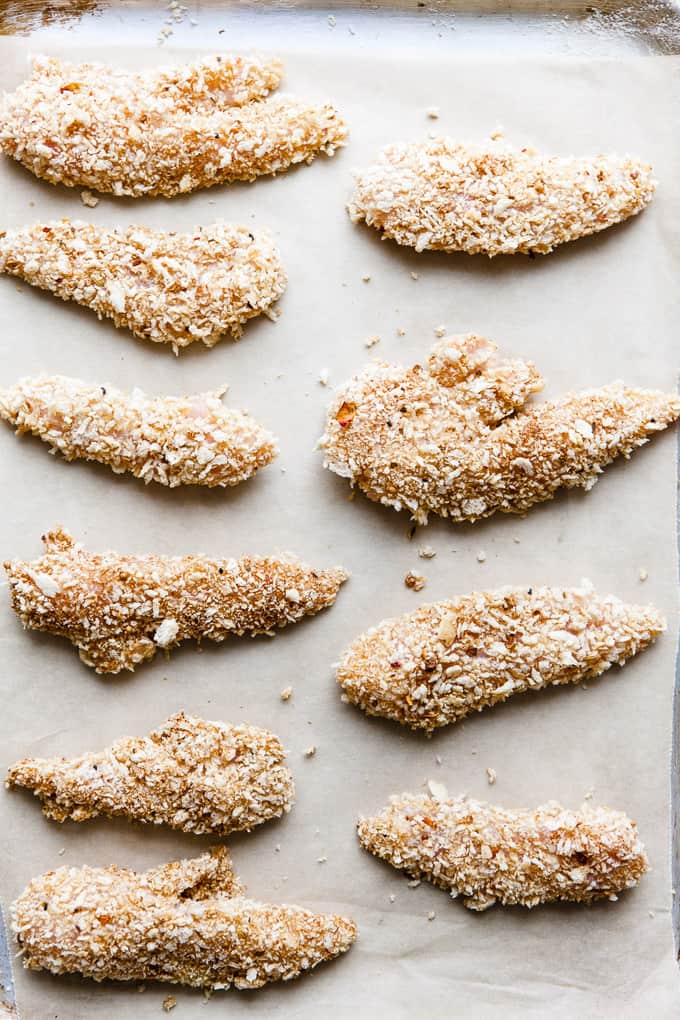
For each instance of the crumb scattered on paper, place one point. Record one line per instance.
(431, 915)
(414, 581)
(481, 556)
(426, 552)
(169, 1003)
(310, 751)
(366, 278)
(371, 341)
(414, 276)
(490, 776)
(642, 574)
(433, 112)
(323, 376)
(440, 331)
(286, 694)
(88, 199)
(401, 331)
(437, 790)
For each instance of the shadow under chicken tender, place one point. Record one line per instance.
(453, 437)
(163, 286)
(118, 610)
(434, 666)
(187, 922)
(489, 854)
(493, 199)
(161, 132)
(191, 440)
(190, 774)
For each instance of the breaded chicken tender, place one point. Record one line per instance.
(165, 131)
(493, 199)
(489, 854)
(433, 666)
(191, 440)
(118, 610)
(170, 288)
(188, 922)
(453, 437)
(196, 776)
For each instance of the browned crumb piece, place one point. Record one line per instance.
(453, 437)
(196, 776)
(161, 132)
(494, 199)
(117, 610)
(167, 287)
(187, 922)
(191, 440)
(489, 854)
(433, 666)
(416, 582)
(169, 1003)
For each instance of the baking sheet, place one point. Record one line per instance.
(597, 310)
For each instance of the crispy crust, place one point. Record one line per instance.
(196, 776)
(493, 199)
(167, 287)
(191, 440)
(117, 610)
(435, 665)
(453, 437)
(490, 854)
(187, 922)
(162, 132)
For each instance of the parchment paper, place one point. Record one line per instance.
(597, 310)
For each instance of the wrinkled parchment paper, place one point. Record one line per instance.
(597, 310)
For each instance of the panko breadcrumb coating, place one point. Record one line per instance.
(435, 665)
(191, 440)
(118, 610)
(167, 287)
(489, 854)
(493, 199)
(196, 776)
(453, 437)
(161, 132)
(187, 922)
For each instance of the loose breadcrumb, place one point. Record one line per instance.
(286, 694)
(416, 582)
(187, 922)
(494, 199)
(490, 776)
(426, 552)
(166, 287)
(88, 199)
(169, 1003)
(191, 440)
(490, 854)
(642, 574)
(111, 607)
(433, 666)
(193, 775)
(165, 131)
(371, 341)
(310, 751)
(453, 437)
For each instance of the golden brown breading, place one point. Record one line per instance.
(117, 610)
(187, 922)
(494, 199)
(491, 854)
(167, 287)
(435, 665)
(192, 440)
(453, 437)
(161, 132)
(196, 776)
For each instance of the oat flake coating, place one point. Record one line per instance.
(493, 199)
(191, 440)
(161, 132)
(489, 854)
(433, 666)
(453, 437)
(166, 287)
(196, 776)
(187, 922)
(117, 610)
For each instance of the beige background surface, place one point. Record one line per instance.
(600, 309)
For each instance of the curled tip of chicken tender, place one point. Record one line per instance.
(161, 132)
(453, 437)
(432, 667)
(118, 610)
(191, 440)
(193, 775)
(493, 199)
(188, 922)
(489, 854)
(166, 287)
